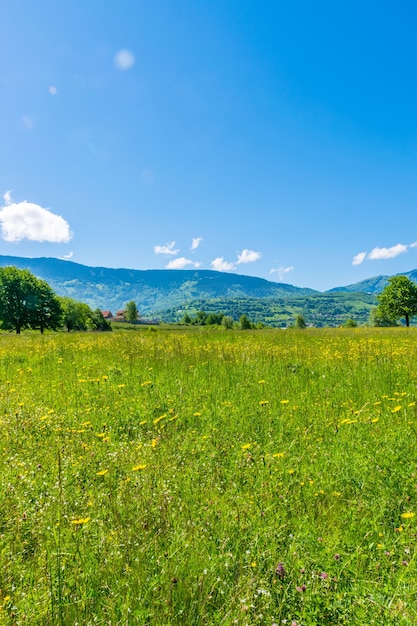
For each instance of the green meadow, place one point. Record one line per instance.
(208, 477)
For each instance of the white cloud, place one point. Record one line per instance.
(281, 271)
(124, 60)
(26, 220)
(220, 265)
(7, 197)
(359, 258)
(387, 253)
(179, 263)
(248, 256)
(167, 249)
(383, 253)
(68, 256)
(196, 242)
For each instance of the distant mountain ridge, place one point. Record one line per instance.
(167, 294)
(152, 290)
(372, 285)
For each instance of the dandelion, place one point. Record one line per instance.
(396, 409)
(139, 467)
(102, 472)
(263, 402)
(278, 455)
(285, 401)
(407, 515)
(80, 521)
(246, 446)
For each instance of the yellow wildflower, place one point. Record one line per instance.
(407, 515)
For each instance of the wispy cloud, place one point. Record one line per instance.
(220, 265)
(281, 271)
(196, 242)
(124, 60)
(68, 256)
(179, 263)
(359, 258)
(388, 253)
(248, 256)
(26, 220)
(167, 249)
(378, 253)
(7, 197)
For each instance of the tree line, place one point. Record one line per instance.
(29, 302)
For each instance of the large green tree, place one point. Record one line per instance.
(45, 310)
(398, 299)
(17, 296)
(27, 301)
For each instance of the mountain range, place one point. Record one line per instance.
(168, 293)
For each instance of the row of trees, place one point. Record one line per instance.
(398, 300)
(201, 318)
(29, 302)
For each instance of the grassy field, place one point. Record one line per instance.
(205, 477)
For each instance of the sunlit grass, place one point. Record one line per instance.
(201, 477)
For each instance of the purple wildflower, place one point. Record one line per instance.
(280, 570)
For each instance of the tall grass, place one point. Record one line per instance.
(164, 478)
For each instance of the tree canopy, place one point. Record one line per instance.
(398, 299)
(131, 312)
(27, 301)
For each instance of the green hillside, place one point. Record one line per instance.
(372, 285)
(169, 294)
(319, 310)
(152, 290)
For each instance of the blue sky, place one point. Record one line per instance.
(267, 138)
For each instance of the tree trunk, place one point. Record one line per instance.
(407, 321)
